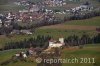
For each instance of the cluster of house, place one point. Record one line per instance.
(45, 2)
(28, 32)
(35, 7)
(32, 13)
(53, 3)
(36, 12)
(23, 2)
(30, 16)
(20, 16)
(79, 9)
(29, 52)
(20, 55)
(7, 19)
(82, 8)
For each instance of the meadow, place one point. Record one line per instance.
(95, 21)
(91, 51)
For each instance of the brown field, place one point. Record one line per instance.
(70, 27)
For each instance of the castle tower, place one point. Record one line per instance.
(51, 42)
(61, 40)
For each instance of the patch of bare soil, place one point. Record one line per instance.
(69, 27)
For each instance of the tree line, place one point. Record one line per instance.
(39, 41)
(42, 41)
(85, 16)
(75, 40)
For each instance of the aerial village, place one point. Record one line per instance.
(25, 21)
(37, 13)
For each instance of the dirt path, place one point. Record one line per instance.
(69, 27)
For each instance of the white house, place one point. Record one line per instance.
(59, 43)
(0, 23)
(82, 8)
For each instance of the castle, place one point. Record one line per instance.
(53, 43)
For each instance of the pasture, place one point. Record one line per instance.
(89, 51)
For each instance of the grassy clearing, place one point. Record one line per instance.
(63, 32)
(88, 22)
(89, 51)
(70, 27)
(22, 64)
(5, 55)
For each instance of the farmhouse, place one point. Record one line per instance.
(53, 43)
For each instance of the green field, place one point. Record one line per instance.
(6, 55)
(89, 51)
(56, 33)
(87, 22)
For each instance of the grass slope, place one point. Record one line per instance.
(91, 51)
